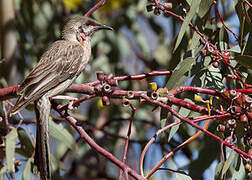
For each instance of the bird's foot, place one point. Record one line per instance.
(69, 98)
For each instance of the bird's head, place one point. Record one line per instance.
(81, 28)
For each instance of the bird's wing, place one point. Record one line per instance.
(60, 62)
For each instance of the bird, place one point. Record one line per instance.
(56, 70)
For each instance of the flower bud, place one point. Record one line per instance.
(100, 75)
(105, 101)
(113, 82)
(153, 86)
(221, 128)
(248, 167)
(197, 98)
(109, 76)
(250, 152)
(130, 94)
(248, 100)
(215, 64)
(125, 102)
(235, 109)
(232, 123)
(168, 5)
(154, 95)
(107, 88)
(244, 118)
(250, 116)
(233, 93)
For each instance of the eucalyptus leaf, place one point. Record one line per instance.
(235, 49)
(10, 149)
(239, 172)
(2, 172)
(185, 25)
(227, 163)
(59, 132)
(204, 7)
(180, 176)
(27, 170)
(195, 40)
(25, 141)
(218, 170)
(174, 129)
(176, 77)
(245, 60)
(184, 112)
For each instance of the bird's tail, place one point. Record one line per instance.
(42, 150)
(20, 104)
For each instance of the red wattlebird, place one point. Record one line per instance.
(58, 67)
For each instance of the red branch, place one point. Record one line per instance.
(93, 144)
(88, 88)
(222, 20)
(196, 126)
(93, 9)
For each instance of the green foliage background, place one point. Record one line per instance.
(142, 42)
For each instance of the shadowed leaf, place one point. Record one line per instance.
(245, 60)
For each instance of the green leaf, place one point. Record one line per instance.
(174, 129)
(227, 163)
(184, 112)
(59, 132)
(61, 150)
(10, 149)
(189, 2)
(26, 145)
(57, 164)
(195, 40)
(180, 176)
(223, 38)
(27, 170)
(248, 44)
(239, 171)
(245, 60)
(235, 49)
(2, 172)
(185, 25)
(218, 170)
(214, 78)
(176, 77)
(204, 7)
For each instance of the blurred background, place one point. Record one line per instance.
(142, 42)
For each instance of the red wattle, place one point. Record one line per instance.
(83, 36)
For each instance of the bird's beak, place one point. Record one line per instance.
(105, 27)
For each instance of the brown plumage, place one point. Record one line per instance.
(58, 67)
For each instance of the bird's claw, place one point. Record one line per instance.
(70, 99)
(70, 105)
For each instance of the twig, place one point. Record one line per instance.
(93, 144)
(222, 21)
(196, 126)
(128, 134)
(93, 9)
